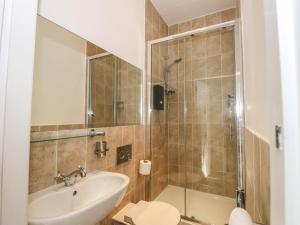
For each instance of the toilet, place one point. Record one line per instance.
(147, 213)
(156, 212)
(240, 216)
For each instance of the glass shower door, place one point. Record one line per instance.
(195, 134)
(210, 122)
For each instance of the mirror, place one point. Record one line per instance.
(78, 84)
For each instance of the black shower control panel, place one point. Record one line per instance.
(124, 154)
(158, 97)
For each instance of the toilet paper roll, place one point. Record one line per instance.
(145, 167)
(240, 216)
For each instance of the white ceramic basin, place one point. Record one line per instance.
(85, 203)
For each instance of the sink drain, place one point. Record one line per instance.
(74, 193)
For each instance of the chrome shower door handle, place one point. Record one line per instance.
(91, 114)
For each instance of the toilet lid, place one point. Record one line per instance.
(158, 213)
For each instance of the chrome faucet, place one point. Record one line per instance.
(70, 179)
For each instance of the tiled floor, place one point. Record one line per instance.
(209, 208)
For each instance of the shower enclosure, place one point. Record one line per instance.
(195, 139)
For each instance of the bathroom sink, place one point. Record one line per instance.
(86, 203)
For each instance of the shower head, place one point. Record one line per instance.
(178, 60)
(173, 63)
(167, 70)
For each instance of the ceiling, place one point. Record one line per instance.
(177, 11)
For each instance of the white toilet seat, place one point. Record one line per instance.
(148, 213)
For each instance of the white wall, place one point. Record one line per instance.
(117, 26)
(255, 79)
(59, 76)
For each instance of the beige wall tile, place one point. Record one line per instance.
(265, 181)
(49, 128)
(213, 19)
(35, 128)
(198, 23)
(214, 90)
(228, 15)
(185, 26)
(257, 178)
(114, 136)
(173, 133)
(155, 25)
(228, 64)
(198, 46)
(213, 66)
(249, 159)
(163, 28)
(70, 154)
(173, 29)
(42, 167)
(94, 162)
(257, 183)
(213, 44)
(198, 68)
(228, 87)
(127, 135)
(227, 41)
(238, 8)
(91, 49)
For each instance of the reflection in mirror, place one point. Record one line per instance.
(114, 92)
(78, 85)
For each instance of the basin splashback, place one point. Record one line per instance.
(46, 158)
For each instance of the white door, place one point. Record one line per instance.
(17, 40)
(2, 88)
(282, 23)
(275, 111)
(289, 44)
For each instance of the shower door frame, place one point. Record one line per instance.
(89, 97)
(236, 24)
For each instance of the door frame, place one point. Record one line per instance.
(17, 46)
(289, 46)
(239, 101)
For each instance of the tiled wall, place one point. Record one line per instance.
(238, 8)
(46, 158)
(57, 127)
(167, 140)
(202, 140)
(92, 49)
(257, 165)
(155, 25)
(212, 19)
(156, 28)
